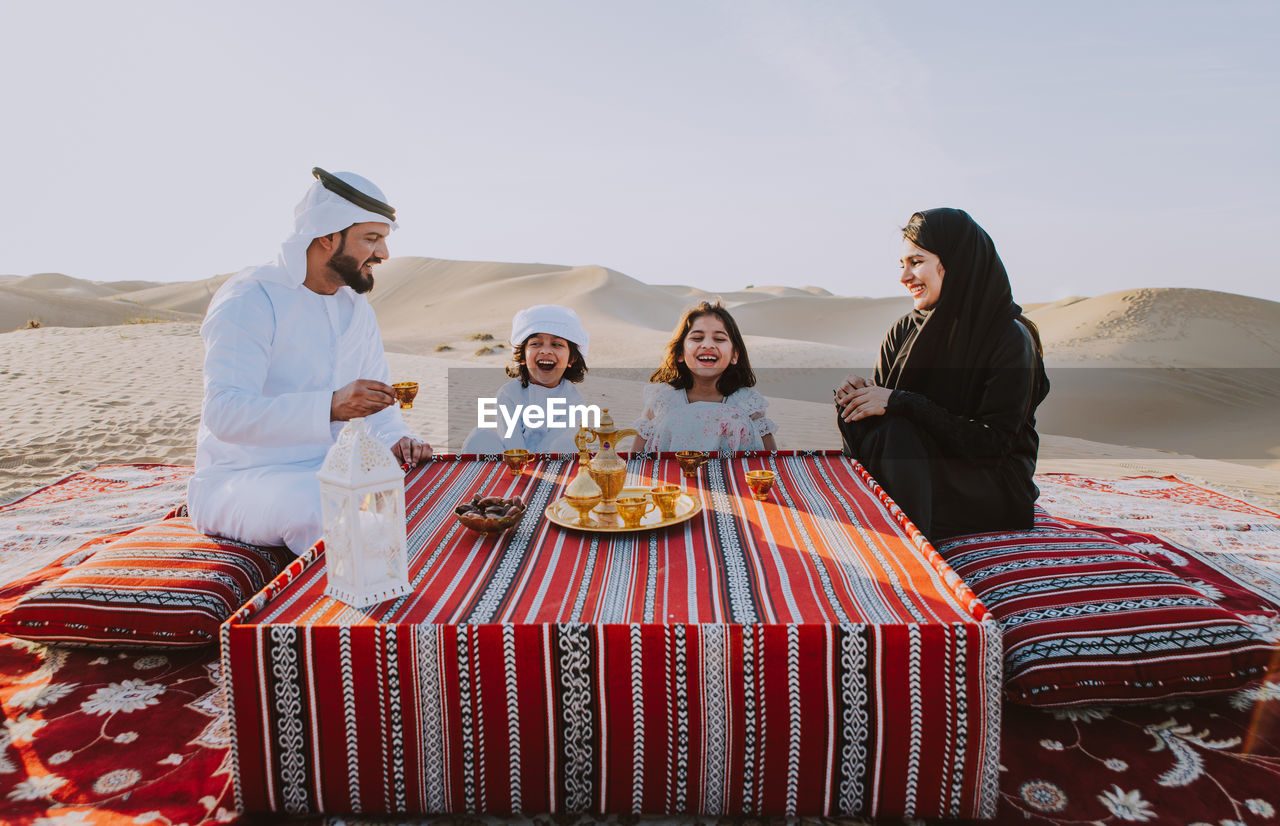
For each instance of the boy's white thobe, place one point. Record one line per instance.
(513, 397)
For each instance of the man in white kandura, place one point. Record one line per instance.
(292, 351)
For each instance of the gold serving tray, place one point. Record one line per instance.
(561, 513)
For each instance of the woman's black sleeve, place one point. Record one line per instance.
(1007, 387)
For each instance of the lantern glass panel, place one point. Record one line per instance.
(337, 531)
(388, 545)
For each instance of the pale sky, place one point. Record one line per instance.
(1104, 145)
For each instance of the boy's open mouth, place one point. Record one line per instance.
(545, 364)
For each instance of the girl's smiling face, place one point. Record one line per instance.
(546, 357)
(708, 351)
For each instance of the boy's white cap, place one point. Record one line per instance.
(549, 319)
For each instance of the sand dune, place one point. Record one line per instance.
(426, 303)
(1189, 370)
(1167, 327)
(56, 282)
(429, 300)
(59, 308)
(185, 297)
(1061, 302)
(1144, 380)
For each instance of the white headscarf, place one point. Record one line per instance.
(321, 213)
(549, 319)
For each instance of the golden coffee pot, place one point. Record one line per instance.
(606, 467)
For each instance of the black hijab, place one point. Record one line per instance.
(959, 333)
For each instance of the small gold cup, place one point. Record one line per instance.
(515, 459)
(583, 505)
(406, 392)
(665, 497)
(760, 481)
(690, 461)
(633, 508)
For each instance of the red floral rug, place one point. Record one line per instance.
(104, 737)
(1210, 760)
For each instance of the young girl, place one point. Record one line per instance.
(548, 355)
(703, 396)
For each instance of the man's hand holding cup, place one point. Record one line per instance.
(361, 397)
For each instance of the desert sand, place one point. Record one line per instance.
(1147, 381)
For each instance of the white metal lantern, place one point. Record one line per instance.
(362, 501)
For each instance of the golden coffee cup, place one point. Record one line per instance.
(515, 459)
(690, 461)
(406, 391)
(633, 508)
(583, 505)
(665, 497)
(760, 481)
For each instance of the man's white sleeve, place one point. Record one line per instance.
(237, 408)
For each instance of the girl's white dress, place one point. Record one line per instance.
(670, 421)
(532, 439)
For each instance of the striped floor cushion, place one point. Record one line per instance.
(163, 585)
(1086, 620)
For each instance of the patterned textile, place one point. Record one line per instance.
(164, 585)
(1179, 761)
(97, 737)
(1187, 760)
(806, 654)
(1241, 538)
(1187, 515)
(1087, 620)
(41, 528)
(94, 736)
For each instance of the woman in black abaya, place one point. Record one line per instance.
(947, 425)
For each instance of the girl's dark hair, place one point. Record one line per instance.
(676, 373)
(517, 369)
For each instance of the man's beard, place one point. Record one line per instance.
(349, 269)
